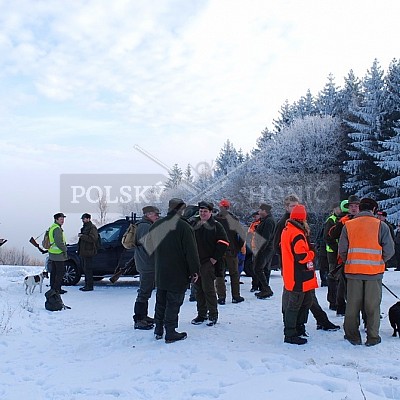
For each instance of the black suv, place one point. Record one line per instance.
(110, 257)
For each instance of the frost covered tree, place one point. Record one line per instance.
(392, 92)
(227, 159)
(175, 177)
(286, 117)
(327, 102)
(350, 95)
(362, 176)
(188, 177)
(263, 140)
(302, 157)
(391, 163)
(305, 106)
(389, 158)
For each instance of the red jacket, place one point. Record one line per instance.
(297, 259)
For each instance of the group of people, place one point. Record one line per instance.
(202, 258)
(359, 243)
(171, 253)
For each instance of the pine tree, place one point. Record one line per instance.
(305, 106)
(350, 96)
(286, 117)
(227, 159)
(391, 163)
(188, 177)
(175, 177)
(389, 158)
(263, 140)
(363, 177)
(327, 102)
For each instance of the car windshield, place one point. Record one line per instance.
(110, 234)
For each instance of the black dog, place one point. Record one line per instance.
(394, 318)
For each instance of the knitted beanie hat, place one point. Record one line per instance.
(299, 212)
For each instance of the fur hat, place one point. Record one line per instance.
(299, 212)
(86, 215)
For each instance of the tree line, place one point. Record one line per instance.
(347, 135)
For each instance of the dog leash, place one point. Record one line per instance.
(390, 291)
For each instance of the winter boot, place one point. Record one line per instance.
(237, 299)
(328, 326)
(265, 293)
(198, 320)
(143, 325)
(173, 336)
(295, 340)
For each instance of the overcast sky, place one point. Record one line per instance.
(82, 82)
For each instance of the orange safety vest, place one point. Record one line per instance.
(297, 268)
(364, 255)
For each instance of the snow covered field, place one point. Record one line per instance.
(93, 352)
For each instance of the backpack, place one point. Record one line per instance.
(54, 301)
(46, 240)
(129, 237)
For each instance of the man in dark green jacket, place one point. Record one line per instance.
(87, 248)
(212, 243)
(172, 243)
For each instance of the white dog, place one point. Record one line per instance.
(33, 280)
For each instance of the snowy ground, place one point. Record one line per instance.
(93, 352)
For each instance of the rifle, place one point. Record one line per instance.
(33, 241)
(122, 271)
(337, 272)
(117, 275)
(128, 267)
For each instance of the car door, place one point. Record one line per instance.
(106, 260)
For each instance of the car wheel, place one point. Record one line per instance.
(72, 274)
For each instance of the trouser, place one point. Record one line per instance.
(262, 262)
(168, 305)
(341, 294)
(295, 311)
(57, 274)
(231, 263)
(318, 313)
(146, 287)
(323, 266)
(205, 292)
(87, 264)
(332, 281)
(363, 295)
